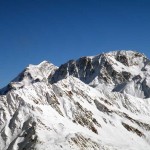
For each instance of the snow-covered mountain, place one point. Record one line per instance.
(94, 103)
(30, 75)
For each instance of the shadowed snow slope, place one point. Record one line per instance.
(94, 103)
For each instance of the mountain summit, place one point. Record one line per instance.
(93, 103)
(123, 71)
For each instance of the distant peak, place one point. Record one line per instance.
(30, 75)
(126, 52)
(44, 62)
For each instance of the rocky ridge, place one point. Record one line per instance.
(94, 103)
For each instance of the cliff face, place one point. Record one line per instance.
(98, 102)
(121, 71)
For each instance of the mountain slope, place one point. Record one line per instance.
(75, 110)
(31, 74)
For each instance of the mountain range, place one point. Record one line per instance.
(97, 102)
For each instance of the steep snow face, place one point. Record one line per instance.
(116, 71)
(33, 73)
(77, 108)
(33, 117)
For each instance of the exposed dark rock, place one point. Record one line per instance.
(84, 118)
(85, 143)
(132, 129)
(123, 59)
(101, 107)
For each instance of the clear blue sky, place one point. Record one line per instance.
(58, 30)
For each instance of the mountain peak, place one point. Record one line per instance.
(108, 70)
(86, 67)
(96, 102)
(31, 74)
